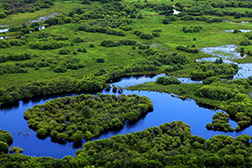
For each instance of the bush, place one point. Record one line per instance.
(245, 42)
(5, 136)
(64, 51)
(78, 40)
(168, 80)
(59, 69)
(42, 132)
(100, 60)
(3, 147)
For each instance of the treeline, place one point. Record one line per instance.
(11, 42)
(220, 123)
(85, 116)
(110, 43)
(5, 141)
(215, 8)
(95, 29)
(169, 145)
(207, 69)
(93, 82)
(237, 104)
(11, 68)
(17, 57)
(188, 49)
(167, 80)
(144, 35)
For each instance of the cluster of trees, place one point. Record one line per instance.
(169, 19)
(110, 43)
(215, 8)
(21, 6)
(144, 35)
(11, 42)
(153, 60)
(240, 108)
(85, 116)
(11, 68)
(220, 123)
(17, 57)
(169, 145)
(5, 141)
(238, 104)
(191, 29)
(66, 64)
(46, 45)
(167, 80)
(171, 68)
(207, 69)
(96, 29)
(51, 87)
(187, 49)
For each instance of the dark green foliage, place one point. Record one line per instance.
(78, 40)
(46, 45)
(208, 69)
(154, 34)
(3, 147)
(210, 80)
(245, 42)
(220, 123)
(59, 69)
(100, 60)
(172, 68)
(169, 145)
(5, 136)
(18, 57)
(95, 29)
(187, 49)
(110, 43)
(143, 35)
(168, 80)
(64, 51)
(86, 116)
(216, 92)
(191, 29)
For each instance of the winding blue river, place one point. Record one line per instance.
(166, 109)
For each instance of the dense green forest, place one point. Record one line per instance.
(85, 116)
(169, 145)
(55, 47)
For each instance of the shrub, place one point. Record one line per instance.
(245, 42)
(64, 51)
(168, 80)
(100, 60)
(3, 147)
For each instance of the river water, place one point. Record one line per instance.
(166, 109)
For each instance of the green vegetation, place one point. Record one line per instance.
(168, 80)
(220, 123)
(207, 69)
(5, 141)
(220, 93)
(170, 145)
(87, 44)
(85, 116)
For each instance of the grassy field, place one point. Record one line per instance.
(171, 35)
